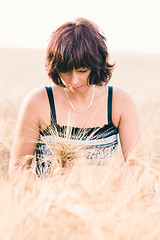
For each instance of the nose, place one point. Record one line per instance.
(74, 80)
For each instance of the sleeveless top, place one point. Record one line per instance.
(101, 144)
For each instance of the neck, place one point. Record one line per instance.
(82, 101)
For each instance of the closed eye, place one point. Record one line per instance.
(85, 70)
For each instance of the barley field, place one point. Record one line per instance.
(89, 202)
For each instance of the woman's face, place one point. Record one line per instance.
(76, 80)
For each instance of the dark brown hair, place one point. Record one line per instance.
(78, 44)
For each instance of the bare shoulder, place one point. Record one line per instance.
(122, 96)
(123, 104)
(37, 95)
(33, 103)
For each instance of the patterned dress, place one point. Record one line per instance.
(99, 143)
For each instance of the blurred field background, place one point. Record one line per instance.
(89, 203)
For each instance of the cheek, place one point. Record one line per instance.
(87, 77)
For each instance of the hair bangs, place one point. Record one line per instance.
(75, 56)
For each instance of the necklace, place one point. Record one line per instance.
(86, 107)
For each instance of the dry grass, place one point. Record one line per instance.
(89, 202)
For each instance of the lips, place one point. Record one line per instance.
(77, 88)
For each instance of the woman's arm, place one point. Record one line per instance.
(129, 129)
(26, 133)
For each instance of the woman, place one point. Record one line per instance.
(77, 63)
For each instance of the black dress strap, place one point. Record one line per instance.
(110, 93)
(51, 102)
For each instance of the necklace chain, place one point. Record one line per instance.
(86, 107)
